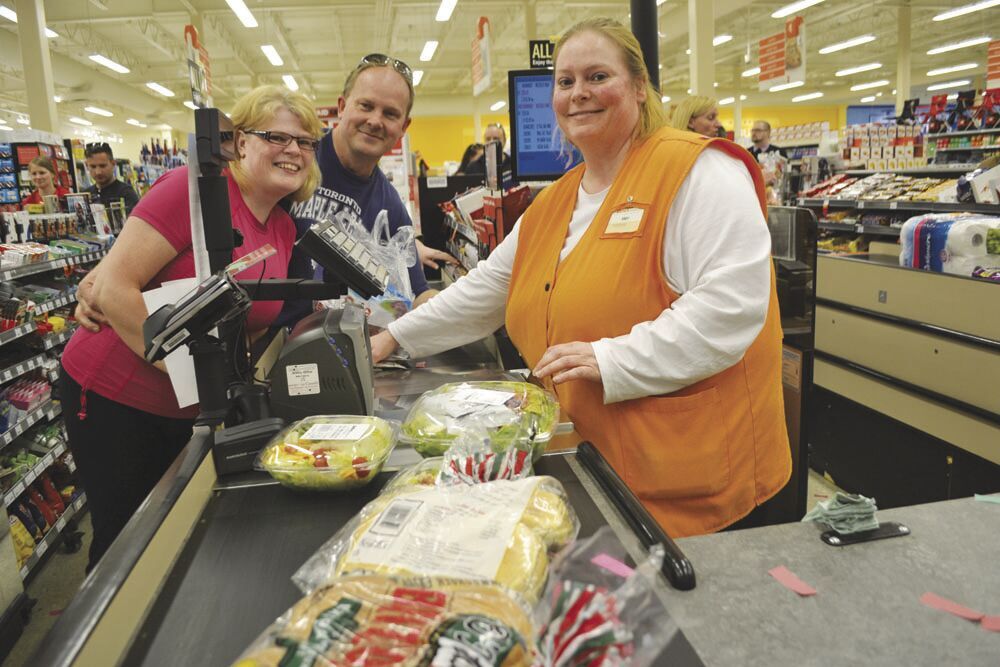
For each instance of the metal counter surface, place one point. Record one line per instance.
(867, 609)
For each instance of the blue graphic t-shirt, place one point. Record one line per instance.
(341, 192)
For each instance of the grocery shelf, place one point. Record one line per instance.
(21, 367)
(54, 340)
(52, 304)
(992, 147)
(51, 265)
(917, 171)
(896, 205)
(857, 228)
(48, 410)
(836, 226)
(968, 133)
(17, 332)
(43, 463)
(52, 537)
(797, 144)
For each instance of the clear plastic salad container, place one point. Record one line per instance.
(509, 414)
(329, 452)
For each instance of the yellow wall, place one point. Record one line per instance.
(441, 138)
(781, 116)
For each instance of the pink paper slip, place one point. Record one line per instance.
(790, 581)
(991, 623)
(612, 565)
(943, 604)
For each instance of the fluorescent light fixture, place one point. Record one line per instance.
(966, 9)
(665, 99)
(23, 120)
(660, 2)
(272, 55)
(57, 99)
(290, 82)
(742, 97)
(726, 100)
(6, 128)
(866, 100)
(952, 97)
(418, 76)
(445, 10)
(871, 84)
(949, 70)
(785, 86)
(860, 68)
(753, 71)
(689, 91)
(787, 10)
(109, 63)
(715, 85)
(190, 105)
(429, 48)
(79, 121)
(950, 84)
(242, 13)
(133, 121)
(99, 111)
(162, 90)
(807, 96)
(846, 44)
(721, 39)
(976, 41)
(496, 106)
(687, 52)
(51, 34)
(8, 13)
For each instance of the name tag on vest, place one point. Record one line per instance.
(624, 221)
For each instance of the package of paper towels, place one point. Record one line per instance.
(954, 243)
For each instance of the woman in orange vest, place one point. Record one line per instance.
(639, 288)
(45, 179)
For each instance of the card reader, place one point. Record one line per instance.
(336, 251)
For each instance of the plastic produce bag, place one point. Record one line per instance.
(498, 531)
(377, 620)
(511, 414)
(329, 452)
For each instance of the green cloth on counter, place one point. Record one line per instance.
(845, 513)
(988, 499)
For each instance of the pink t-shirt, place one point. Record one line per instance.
(103, 363)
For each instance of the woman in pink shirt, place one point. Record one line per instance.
(125, 426)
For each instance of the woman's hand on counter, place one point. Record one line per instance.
(569, 361)
(430, 257)
(87, 313)
(383, 344)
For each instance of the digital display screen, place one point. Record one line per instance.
(535, 138)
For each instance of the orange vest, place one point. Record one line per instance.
(700, 458)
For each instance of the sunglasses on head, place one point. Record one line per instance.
(96, 147)
(382, 60)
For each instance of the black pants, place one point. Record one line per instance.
(120, 454)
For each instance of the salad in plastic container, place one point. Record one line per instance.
(509, 414)
(329, 452)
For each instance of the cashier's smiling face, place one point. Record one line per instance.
(373, 117)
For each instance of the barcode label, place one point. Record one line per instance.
(337, 432)
(395, 516)
(483, 396)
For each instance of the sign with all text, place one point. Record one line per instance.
(540, 53)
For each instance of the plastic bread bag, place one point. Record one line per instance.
(498, 531)
(510, 413)
(598, 611)
(329, 452)
(378, 620)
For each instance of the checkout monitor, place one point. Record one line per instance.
(536, 152)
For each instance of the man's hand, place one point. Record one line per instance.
(430, 257)
(569, 361)
(87, 313)
(383, 344)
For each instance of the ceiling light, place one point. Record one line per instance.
(742, 97)
(860, 68)
(870, 98)
(688, 52)
(6, 128)
(785, 86)
(445, 10)
(162, 90)
(715, 85)
(721, 39)
(496, 106)
(290, 82)
(794, 7)
(23, 120)
(665, 99)
(57, 99)
(51, 34)
(753, 71)
(950, 84)
(79, 121)
(8, 13)
(110, 64)
(854, 41)
(871, 84)
(133, 121)
(272, 55)
(953, 96)
(660, 2)
(689, 91)
(949, 70)
(242, 13)
(958, 45)
(99, 111)
(967, 9)
(429, 48)
(418, 76)
(726, 100)
(190, 105)
(807, 96)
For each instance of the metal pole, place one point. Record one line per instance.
(644, 27)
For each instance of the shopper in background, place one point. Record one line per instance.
(470, 158)
(760, 134)
(639, 288)
(45, 179)
(107, 188)
(494, 133)
(125, 427)
(697, 114)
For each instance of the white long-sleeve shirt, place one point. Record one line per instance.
(716, 252)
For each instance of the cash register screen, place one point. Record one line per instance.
(536, 154)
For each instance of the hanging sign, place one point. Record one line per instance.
(540, 53)
(481, 66)
(783, 56)
(199, 72)
(993, 65)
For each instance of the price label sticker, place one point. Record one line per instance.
(826, 202)
(42, 547)
(30, 478)
(60, 523)
(19, 488)
(861, 204)
(859, 229)
(19, 369)
(24, 571)
(893, 205)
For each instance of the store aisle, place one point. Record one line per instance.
(53, 587)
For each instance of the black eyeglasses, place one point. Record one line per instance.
(382, 60)
(96, 147)
(283, 139)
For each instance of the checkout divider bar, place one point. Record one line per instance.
(676, 567)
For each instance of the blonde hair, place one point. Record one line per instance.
(261, 105)
(696, 105)
(46, 164)
(651, 114)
